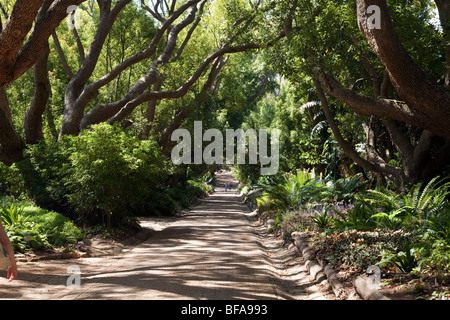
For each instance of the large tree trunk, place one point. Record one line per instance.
(73, 105)
(11, 145)
(17, 57)
(376, 164)
(42, 91)
(415, 87)
(379, 107)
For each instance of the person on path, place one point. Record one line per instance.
(6, 243)
(226, 186)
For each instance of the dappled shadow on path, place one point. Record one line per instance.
(207, 254)
(210, 252)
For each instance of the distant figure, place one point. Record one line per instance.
(226, 186)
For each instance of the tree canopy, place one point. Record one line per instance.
(318, 71)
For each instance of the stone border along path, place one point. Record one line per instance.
(215, 251)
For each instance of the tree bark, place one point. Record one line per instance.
(208, 89)
(62, 57)
(42, 90)
(378, 107)
(17, 57)
(78, 96)
(164, 140)
(415, 87)
(11, 144)
(151, 110)
(378, 166)
(73, 106)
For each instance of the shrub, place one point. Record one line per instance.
(101, 176)
(296, 190)
(22, 233)
(359, 217)
(11, 181)
(420, 202)
(27, 235)
(356, 250)
(160, 203)
(60, 230)
(111, 171)
(199, 188)
(437, 260)
(404, 260)
(45, 173)
(247, 174)
(30, 227)
(168, 201)
(342, 189)
(289, 222)
(321, 218)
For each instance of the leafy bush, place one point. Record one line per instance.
(436, 261)
(11, 181)
(341, 190)
(30, 227)
(321, 219)
(12, 215)
(45, 173)
(199, 188)
(420, 202)
(98, 177)
(356, 250)
(388, 220)
(299, 189)
(296, 190)
(27, 235)
(111, 170)
(289, 222)
(247, 174)
(404, 260)
(22, 233)
(60, 230)
(360, 217)
(169, 200)
(437, 227)
(160, 203)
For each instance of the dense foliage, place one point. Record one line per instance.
(104, 176)
(85, 135)
(356, 227)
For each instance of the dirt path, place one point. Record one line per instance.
(214, 251)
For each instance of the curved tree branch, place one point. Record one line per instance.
(77, 98)
(42, 90)
(367, 106)
(16, 57)
(378, 166)
(415, 87)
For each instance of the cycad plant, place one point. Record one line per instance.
(342, 189)
(427, 201)
(419, 204)
(296, 190)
